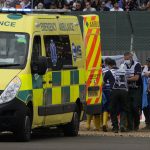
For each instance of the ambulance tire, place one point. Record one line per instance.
(24, 132)
(72, 128)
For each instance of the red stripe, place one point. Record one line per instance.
(84, 20)
(91, 49)
(99, 75)
(95, 63)
(97, 57)
(89, 101)
(93, 18)
(89, 78)
(87, 37)
(99, 72)
(89, 31)
(97, 81)
(97, 100)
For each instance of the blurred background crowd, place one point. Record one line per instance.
(79, 5)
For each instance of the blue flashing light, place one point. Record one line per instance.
(27, 10)
(15, 10)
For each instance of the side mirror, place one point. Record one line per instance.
(39, 66)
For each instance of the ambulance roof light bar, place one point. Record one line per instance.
(14, 10)
(24, 11)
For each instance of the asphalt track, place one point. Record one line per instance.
(50, 141)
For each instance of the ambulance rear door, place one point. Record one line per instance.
(92, 43)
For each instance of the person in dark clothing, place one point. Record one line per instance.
(108, 75)
(106, 62)
(108, 80)
(78, 6)
(133, 71)
(103, 7)
(118, 97)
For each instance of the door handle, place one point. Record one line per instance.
(50, 82)
(43, 82)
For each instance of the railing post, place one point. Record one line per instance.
(32, 4)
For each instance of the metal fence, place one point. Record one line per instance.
(123, 31)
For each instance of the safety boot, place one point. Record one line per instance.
(88, 123)
(96, 121)
(105, 120)
(101, 121)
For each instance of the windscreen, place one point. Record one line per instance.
(13, 49)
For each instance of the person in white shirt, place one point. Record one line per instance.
(39, 6)
(88, 7)
(146, 91)
(9, 4)
(68, 1)
(116, 7)
(26, 4)
(2, 3)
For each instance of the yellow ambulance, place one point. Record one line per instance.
(48, 73)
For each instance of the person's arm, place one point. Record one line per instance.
(137, 73)
(134, 78)
(105, 78)
(145, 72)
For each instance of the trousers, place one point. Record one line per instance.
(119, 104)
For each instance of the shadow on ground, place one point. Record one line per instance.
(36, 135)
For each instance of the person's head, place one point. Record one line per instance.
(2, 1)
(78, 5)
(26, 1)
(51, 41)
(108, 1)
(9, 3)
(66, 6)
(148, 5)
(85, 1)
(59, 5)
(71, 5)
(40, 6)
(103, 4)
(107, 61)
(116, 5)
(112, 63)
(128, 58)
(88, 5)
(148, 61)
(53, 5)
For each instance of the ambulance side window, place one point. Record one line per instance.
(36, 47)
(58, 50)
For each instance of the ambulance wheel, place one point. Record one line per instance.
(24, 132)
(72, 128)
